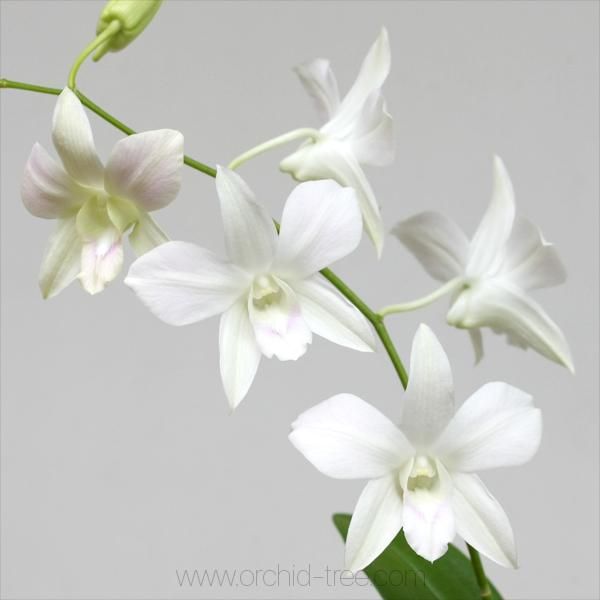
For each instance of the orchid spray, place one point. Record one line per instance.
(274, 289)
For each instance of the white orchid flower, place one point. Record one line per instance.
(358, 131)
(268, 291)
(423, 475)
(491, 275)
(96, 205)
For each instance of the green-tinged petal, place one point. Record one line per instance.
(92, 219)
(74, 141)
(146, 235)
(122, 213)
(62, 259)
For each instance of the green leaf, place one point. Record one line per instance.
(398, 573)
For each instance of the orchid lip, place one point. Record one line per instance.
(423, 475)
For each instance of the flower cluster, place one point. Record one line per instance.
(271, 296)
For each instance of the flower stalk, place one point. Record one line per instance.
(484, 586)
(296, 134)
(425, 301)
(101, 39)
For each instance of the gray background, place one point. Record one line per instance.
(120, 462)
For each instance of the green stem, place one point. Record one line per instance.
(274, 143)
(111, 30)
(29, 87)
(429, 299)
(484, 586)
(375, 319)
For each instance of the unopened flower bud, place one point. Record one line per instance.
(132, 15)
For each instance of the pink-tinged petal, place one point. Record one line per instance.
(429, 399)
(429, 524)
(101, 261)
(146, 168)
(276, 316)
(498, 426)
(74, 141)
(62, 259)
(320, 83)
(182, 283)
(436, 242)
(239, 353)
(47, 190)
(376, 521)
(321, 223)
(481, 521)
(486, 249)
(331, 316)
(347, 438)
(250, 235)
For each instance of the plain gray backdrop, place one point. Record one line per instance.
(120, 462)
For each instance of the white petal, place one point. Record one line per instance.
(146, 168)
(530, 262)
(486, 250)
(481, 521)
(373, 73)
(74, 141)
(321, 223)
(372, 135)
(320, 83)
(477, 342)
(146, 234)
(101, 260)
(182, 283)
(331, 316)
(62, 259)
(436, 242)
(376, 521)
(347, 438)
(250, 234)
(279, 325)
(506, 308)
(331, 159)
(239, 352)
(429, 399)
(428, 517)
(47, 190)
(498, 426)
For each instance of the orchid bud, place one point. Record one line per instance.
(132, 15)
